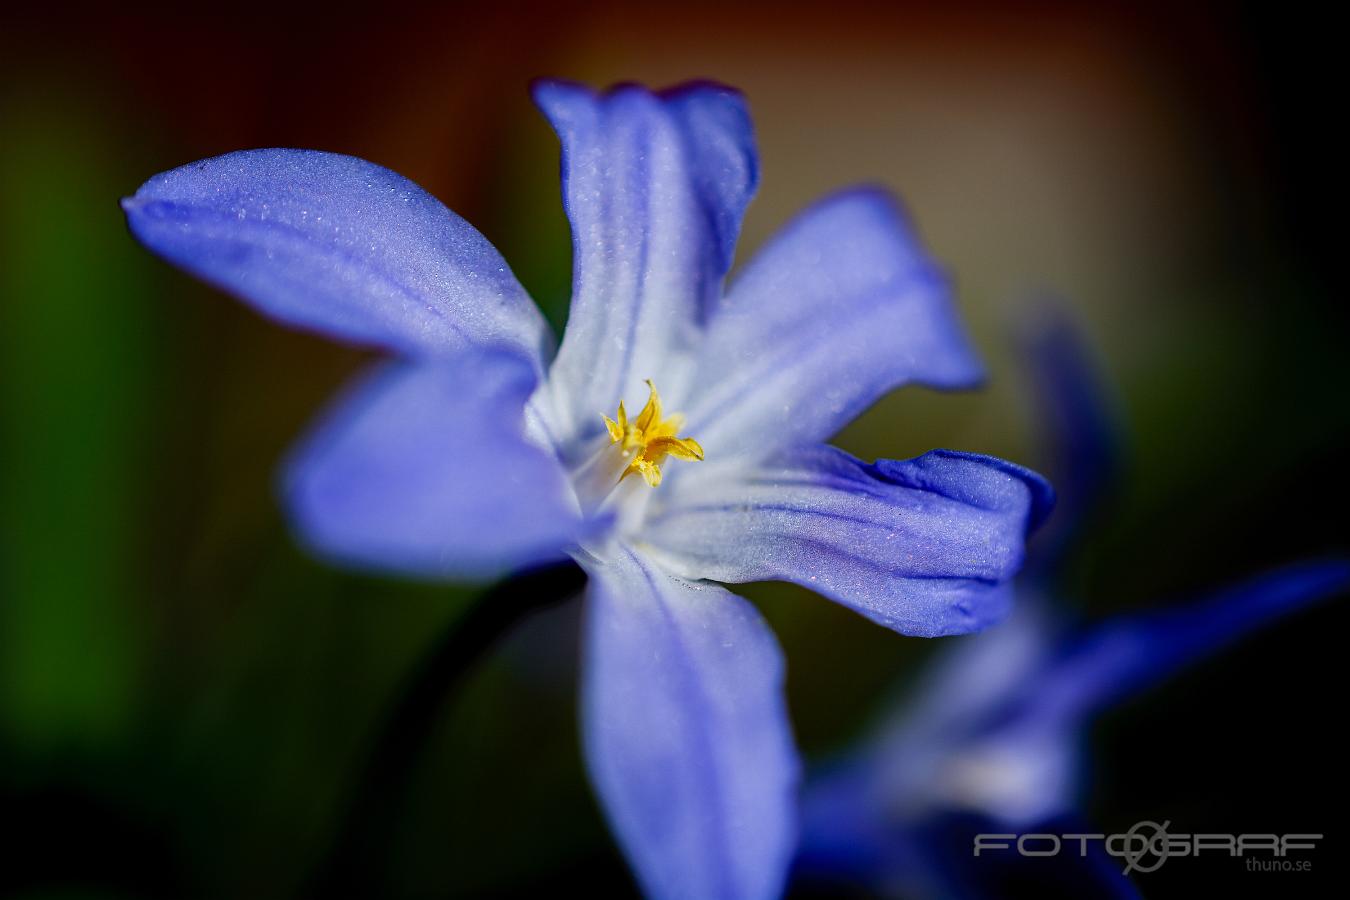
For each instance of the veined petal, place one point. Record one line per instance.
(337, 245)
(422, 469)
(923, 546)
(686, 732)
(654, 186)
(837, 310)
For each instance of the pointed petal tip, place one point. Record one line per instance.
(704, 87)
(337, 245)
(138, 205)
(544, 89)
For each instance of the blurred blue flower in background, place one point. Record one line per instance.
(479, 449)
(993, 739)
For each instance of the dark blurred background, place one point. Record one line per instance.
(185, 698)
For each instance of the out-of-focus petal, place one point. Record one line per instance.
(998, 727)
(686, 733)
(654, 186)
(847, 845)
(840, 308)
(930, 754)
(1124, 656)
(340, 246)
(422, 469)
(847, 828)
(944, 853)
(923, 546)
(1010, 748)
(1075, 421)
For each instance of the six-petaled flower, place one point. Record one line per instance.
(478, 448)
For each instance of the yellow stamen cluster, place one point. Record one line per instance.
(649, 439)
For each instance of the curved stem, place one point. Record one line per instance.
(355, 859)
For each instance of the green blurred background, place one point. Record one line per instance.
(185, 698)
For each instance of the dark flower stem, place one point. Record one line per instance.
(357, 858)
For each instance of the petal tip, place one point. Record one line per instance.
(544, 86)
(703, 87)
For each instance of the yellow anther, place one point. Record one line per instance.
(649, 439)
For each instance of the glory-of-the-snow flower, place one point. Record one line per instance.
(478, 448)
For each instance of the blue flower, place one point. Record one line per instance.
(993, 739)
(479, 449)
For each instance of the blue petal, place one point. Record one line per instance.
(1017, 754)
(998, 727)
(423, 470)
(1075, 419)
(686, 733)
(941, 752)
(337, 245)
(654, 186)
(923, 546)
(841, 854)
(1121, 657)
(1011, 747)
(944, 851)
(846, 826)
(841, 307)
